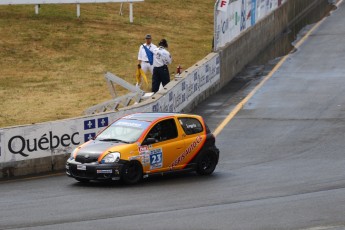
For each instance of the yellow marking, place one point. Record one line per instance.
(240, 105)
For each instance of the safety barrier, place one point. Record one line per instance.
(232, 18)
(45, 147)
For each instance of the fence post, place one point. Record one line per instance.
(78, 10)
(37, 8)
(131, 12)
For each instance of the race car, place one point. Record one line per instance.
(143, 144)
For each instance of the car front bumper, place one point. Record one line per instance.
(93, 171)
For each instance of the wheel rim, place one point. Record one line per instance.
(206, 162)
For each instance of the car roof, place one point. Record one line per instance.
(148, 116)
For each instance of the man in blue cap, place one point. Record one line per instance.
(143, 59)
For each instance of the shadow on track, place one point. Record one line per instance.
(156, 180)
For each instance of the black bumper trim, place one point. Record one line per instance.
(94, 171)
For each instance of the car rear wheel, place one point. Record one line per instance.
(132, 172)
(207, 163)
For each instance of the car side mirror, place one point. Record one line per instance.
(150, 141)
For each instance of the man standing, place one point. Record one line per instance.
(143, 60)
(161, 60)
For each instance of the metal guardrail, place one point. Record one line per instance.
(113, 80)
(135, 95)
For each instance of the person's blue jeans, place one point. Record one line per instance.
(160, 75)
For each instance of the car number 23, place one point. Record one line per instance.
(156, 160)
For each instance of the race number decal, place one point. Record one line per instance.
(156, 159)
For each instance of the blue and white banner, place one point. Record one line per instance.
(47, 139)
(238, 17)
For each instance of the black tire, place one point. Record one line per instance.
(81, 180)
(132, 172)
(207, 163)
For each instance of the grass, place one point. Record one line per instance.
(52, 64)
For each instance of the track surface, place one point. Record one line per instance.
(282, 163)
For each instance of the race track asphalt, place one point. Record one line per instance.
(282, 162)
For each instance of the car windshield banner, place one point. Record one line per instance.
(132, 123)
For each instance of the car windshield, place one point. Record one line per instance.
(123, 130)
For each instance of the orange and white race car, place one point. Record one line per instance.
(139, 145)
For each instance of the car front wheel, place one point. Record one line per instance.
(132, 172)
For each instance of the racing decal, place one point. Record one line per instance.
(105, 171)
(81, 167)
(156, 158)
(191, 147)
(143, 149)
(134, 158)
(134, 124)
(144, 158)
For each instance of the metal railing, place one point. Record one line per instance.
(135, 95)
(37, 4)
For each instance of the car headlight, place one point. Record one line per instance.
(111, 158)
(72, 154)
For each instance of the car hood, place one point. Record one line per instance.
(96, 148)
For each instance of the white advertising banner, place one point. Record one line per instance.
(239, 16)
(223, 5)
(51, 138)
(204, 77)
(61, 137)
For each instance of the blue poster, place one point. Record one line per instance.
(243, 16)
(253, 17)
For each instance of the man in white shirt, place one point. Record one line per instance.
(143, 60)
(161, 60)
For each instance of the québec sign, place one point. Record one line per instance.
(45, 142)
(50, 138)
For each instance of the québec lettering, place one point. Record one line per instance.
(47, 141)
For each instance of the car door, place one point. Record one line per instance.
(167, 145)
(194, 136)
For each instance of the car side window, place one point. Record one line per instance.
(191, 125)
(164, 130)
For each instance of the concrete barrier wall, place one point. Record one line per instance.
(42, 148)
(237, 54)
